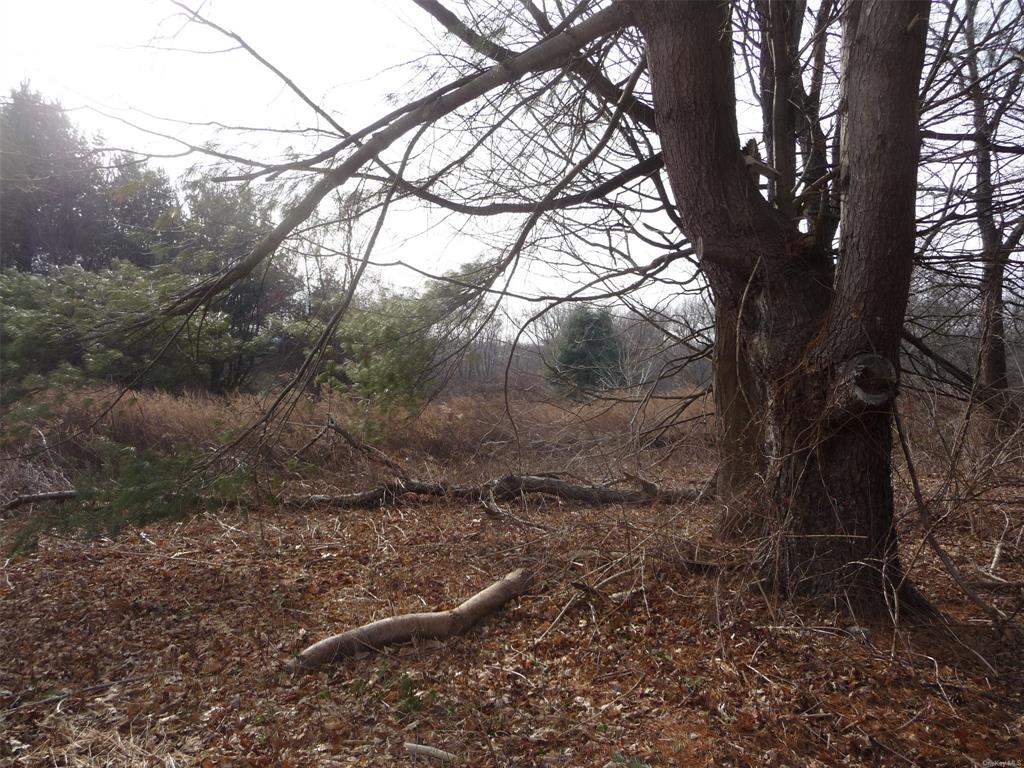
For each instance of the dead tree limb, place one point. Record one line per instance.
(509, 487)
(1001, 402)
(33, 498)
(372, 453)
(997, 616)
(439, 625)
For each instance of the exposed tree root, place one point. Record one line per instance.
(508, 487)
(414, 626)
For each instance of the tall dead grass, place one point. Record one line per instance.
(470, 435)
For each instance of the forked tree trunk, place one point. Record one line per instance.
(822, 346)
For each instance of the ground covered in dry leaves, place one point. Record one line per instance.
(165, 646)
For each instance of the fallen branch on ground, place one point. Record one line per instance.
(509, 487)
(422, 750)
(372, 453)
(996, 586)
(414, 626)
(33, 498)
(82, 691)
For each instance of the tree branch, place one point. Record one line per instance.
(546, 55)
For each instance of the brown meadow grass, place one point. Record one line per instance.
(462, 437)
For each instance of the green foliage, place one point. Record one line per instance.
(130, 487)
(64, 203)
(587, 353)
(693, 683)
(137, 487)
(222, 225)
(76, 227)
(398, 345)
(410, 697)
(67, 326)
(144, 218)
(389, 347)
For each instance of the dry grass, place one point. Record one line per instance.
(471, 436)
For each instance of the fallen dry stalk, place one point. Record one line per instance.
(439, 625)
(372, 453)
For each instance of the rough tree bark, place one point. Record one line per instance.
(738, 412)
(822, 342)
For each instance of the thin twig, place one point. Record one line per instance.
(992, 612)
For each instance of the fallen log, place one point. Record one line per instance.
(508, 487)
(34, 498)
(439, 625)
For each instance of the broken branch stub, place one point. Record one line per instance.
(439, 625)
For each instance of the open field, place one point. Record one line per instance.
(166, 645)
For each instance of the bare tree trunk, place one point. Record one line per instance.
(993, 341)
(834, 428)
(993, 380)
(831, 489)
(992, 374)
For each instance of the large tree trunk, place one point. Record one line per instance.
(821, 345)
(833, 429)
(738, 410)
(993, 340)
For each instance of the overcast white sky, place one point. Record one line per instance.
(107, 55)
(135, 60)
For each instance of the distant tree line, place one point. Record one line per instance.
(90, 239)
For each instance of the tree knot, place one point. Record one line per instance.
(866, 381)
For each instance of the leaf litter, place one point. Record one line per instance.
(166, 647)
